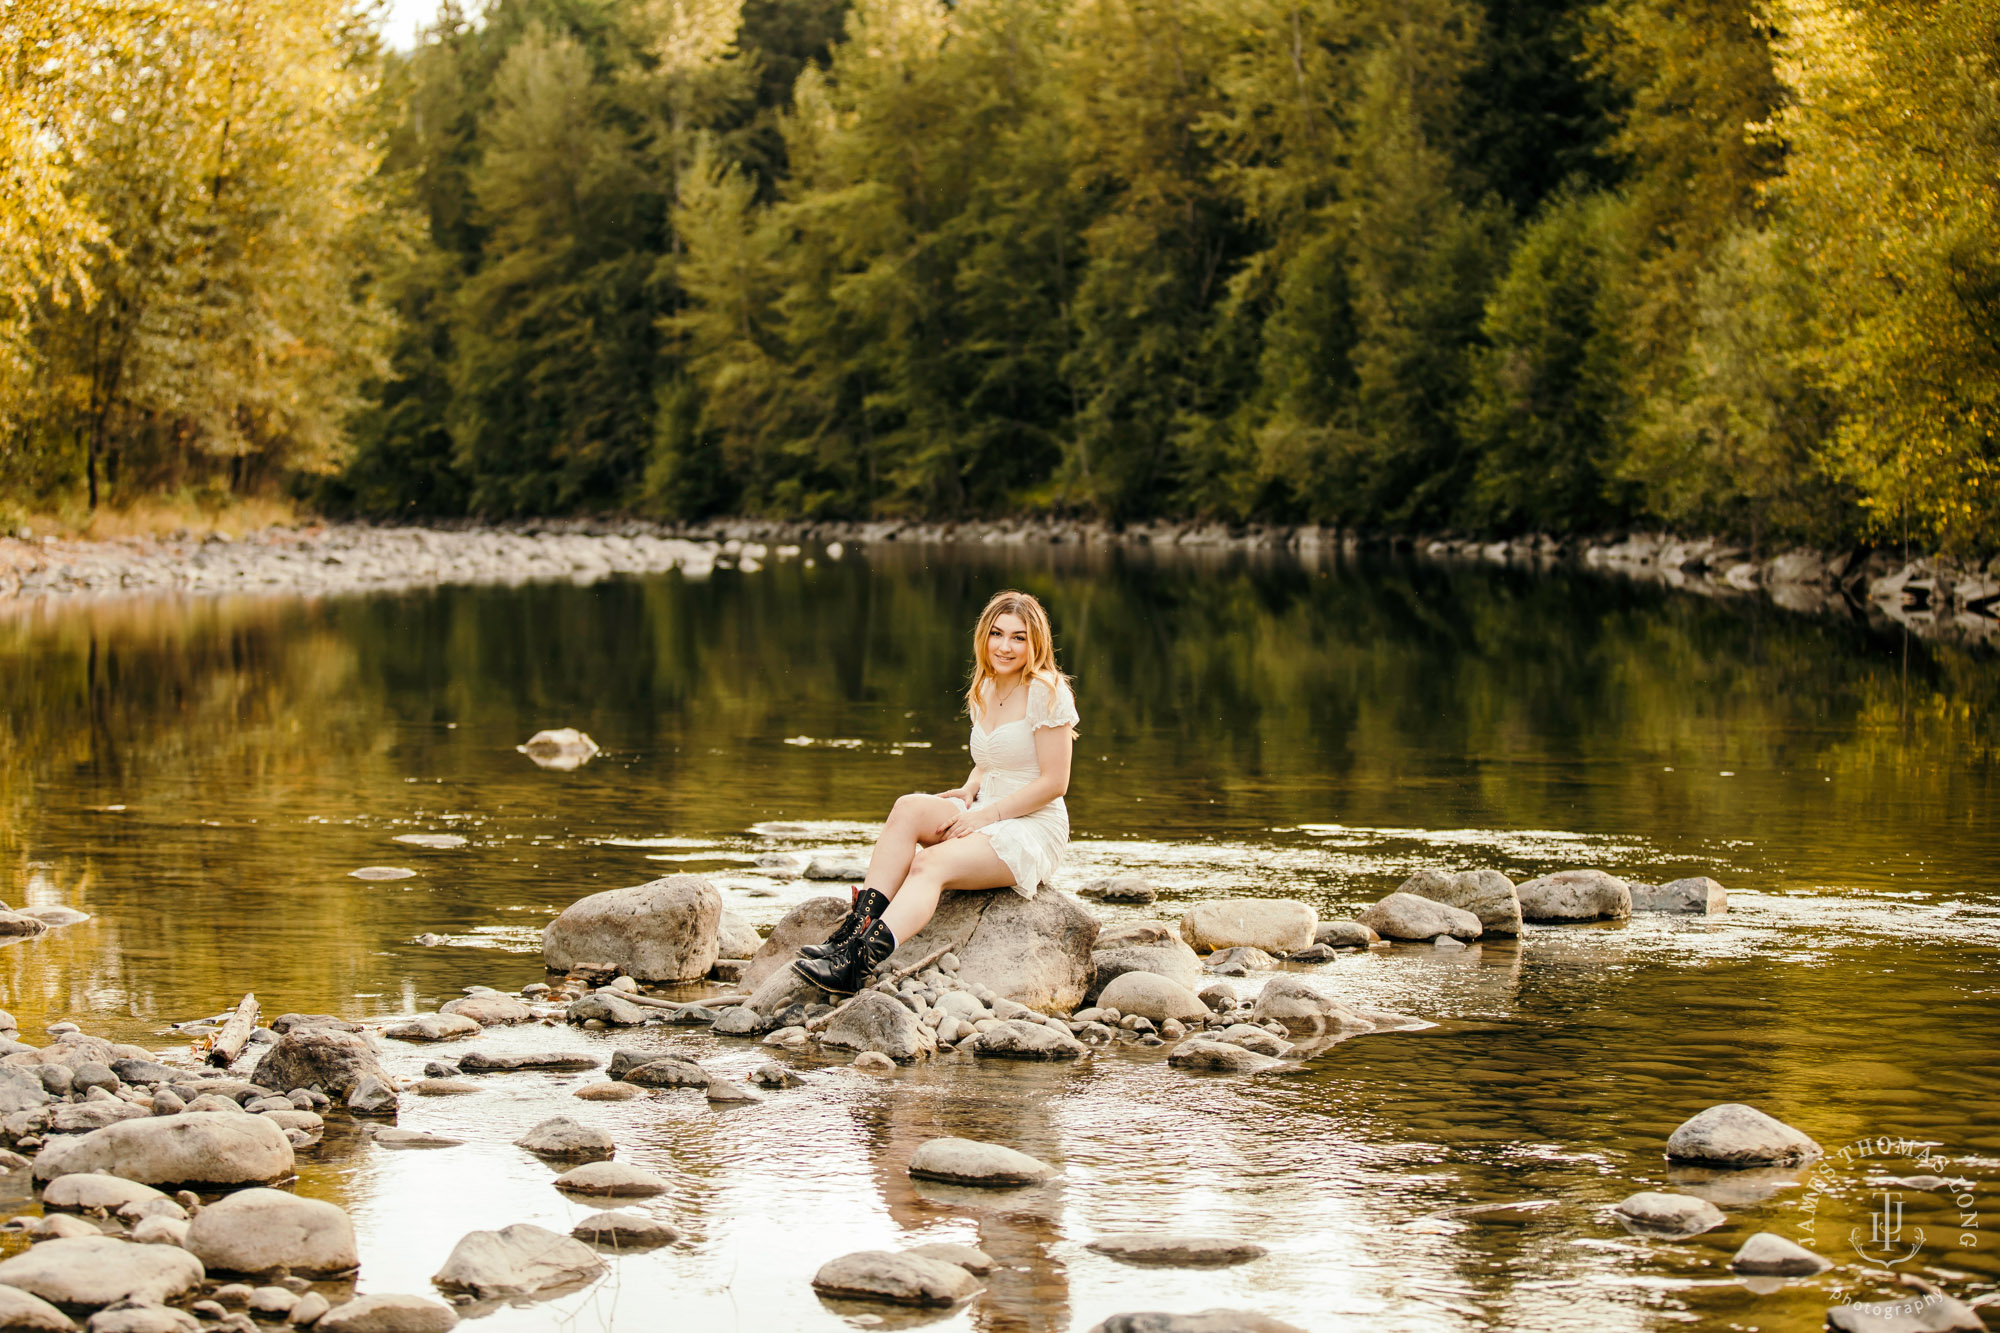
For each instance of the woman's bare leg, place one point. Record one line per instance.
(916, 820)
(956, 863)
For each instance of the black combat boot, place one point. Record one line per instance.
(868, 907)
(848, 968)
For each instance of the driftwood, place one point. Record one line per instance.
(655, 1002)
(230, 1041)
(819, 1024)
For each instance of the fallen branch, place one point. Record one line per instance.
(818, 1024)
(235, 1033)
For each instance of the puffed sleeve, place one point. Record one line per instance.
(1051, 706)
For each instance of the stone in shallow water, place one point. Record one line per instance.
(1767, 1254)
(438, 841)
(974, 1261)
(387, 1314)
(391, 1136)
(970, 1162)
(22, 1313)
(1926, 1313)
(220, 1149)
(376, 874)
(1575, 895)
(1176, 1251)
(1344, 935)
(1017, 1039)
(625, 1231)
(1204, 1321)
(259, 1230)
(606, 1007)
(609, 1092)
(81, 1190)
(489, 1010)
(1733, 1134)
(662, 930)
(480, 1062)
(1675, 1216)
(1699, 896)
(612, 1179)
(1275, 925)
(900, 1279)
(445, 1087)
(874, 1022)
(93, 1271)
(516, 1261)
(560, 1136)
(1218, 1057)
(433, 1027)
(1487, 894)
(143, 1318)
(1150, 995)
(1410, 916)
(1119, 889)
(668, 1071)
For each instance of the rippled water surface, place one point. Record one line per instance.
(201, 776)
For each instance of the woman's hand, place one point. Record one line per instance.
(956, 794)
(970, 822)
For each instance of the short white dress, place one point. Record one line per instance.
(1030, 845)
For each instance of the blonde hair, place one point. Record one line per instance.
(1041, 645)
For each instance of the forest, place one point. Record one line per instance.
(1485, 266)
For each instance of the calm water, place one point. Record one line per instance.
(201, 776)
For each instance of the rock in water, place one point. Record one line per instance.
(1275, 925)
(1487, 894)
(1205, 1321)
(1930, 1313)
(845, 869)
(387, 1314)
(1152, 996)
(667, 1071)
(625, 1231)
(970, 1162)
(808, 923)
(664, 930)
(607, 1007)
(1170, 1250)
(738, 1020)
(22, 1313)
(177, 1150)
(1575, 895)
(516, 1261)
(134, 1318)
(433, 1027)
(1769, 1255)
(1119, 889)
(1344, 935)
(1700, 896)
(612, 1179)
(563, 1137)
(874, 1022)
(1170, 958)
(21, 1090)
(561, 749)
(435, 841)
(1018, 1039)
(1034, 951)
(325, 1058)
(1220, 1057)
(480, 1062)
(379, 874)
(94, 1271)
(974, 1261)
(1675, 1216)
(735, 937)
(1732, 1135)
(1409, 916)
(489, 1010)
(258, 1230)
(900, 1279)
(82, 1191)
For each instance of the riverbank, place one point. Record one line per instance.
(1933, 597)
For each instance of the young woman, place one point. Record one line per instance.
(1006, 827)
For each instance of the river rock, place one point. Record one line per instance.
(1732, 1135)
(1177, 1251)
(489, 1010)
(738, 1020)
(22, 1313)
(434, 1027)
(1275, 925)
(1018, 1039)
(21, 1090)
(808, 923)
(387, 1314)
(1699, 896)
(60, 1226)
(1170, 958)
(143, 1318)
(392, 1136)
(1219, 1057)
(1119, 889)
(284, 1023)
(83, 1117)
(560, 1136)
(90, 1074)
(83, 1191)
(1240, 961)
(178, 1150)
(19, 923)
(1204, 1321)
(1675, 1216)
(970, 1162)
(1034, 951)
(157, 1231)
(611, 1179)
(1487, 894)
(482, 1062)
(1301, 1007)
(837, 866)
(93, 1271)
(147, 1071)
(372, 1094)
(1409, 916)
(516, 1261)
(608, 1092)
(1932, 1312)
(625, 1231)
(1128, 933)
(735, 937)
(1152, 996)
(874, 1022)
(259, 1230)
(1767, 1254)
(559, 749)
(445, 1087)
(663, 930)
(974, 1261)
(900, 1279)
(1344, 935)
(326, 1058)
(607, 1007)
(1575, 895)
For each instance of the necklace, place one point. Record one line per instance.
(1000, 701)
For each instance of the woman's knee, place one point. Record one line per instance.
(908, 809)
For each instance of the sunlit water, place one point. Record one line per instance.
(201, 776)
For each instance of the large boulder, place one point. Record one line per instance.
(808, 923)
(1018, 1039)
(177, 1150)
(1410, 916)
(1575, 895)
(1034, 951)
(875, 1022)
(335, 1062)
(1729, 1135)
(1170, 958)
(1487, 894)
(1699, 896)
(664, 930)
(259, 1230)
(516, 1261)
(87, 1272)
(1275, 925)
(22, 1313)
(1150, 995)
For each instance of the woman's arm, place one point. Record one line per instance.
(1054, 747)
(970, 791)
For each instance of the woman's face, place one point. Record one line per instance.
(1007, 645)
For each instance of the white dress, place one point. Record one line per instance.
(1030, 845)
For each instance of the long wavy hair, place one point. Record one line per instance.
(1041, 645)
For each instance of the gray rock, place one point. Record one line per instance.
(1275, 925)
(83, 1191)
(559, 749)
(1928, 1313)
(1675, 1216)
(974, 1261)
(326, 1058)
(874, 1022)
(146, 1071)
(182, 1149)
(516, 1261)
(310, 1307)
(16, 923)
(1204, 1321)
(83, 1117)
(372, 1094)
(1242, 957)
(1699, 896)
(273, 1302)
(625, 1231)
(1129, 933)
(771, 1074)
(610, 1179)
(387, 1314)
(1487, 894)
(738, 1020)
(1151, 996)
(808, 923)
(780, 991)
(284, 1023)
(1301, 1008)
(158, 1231)
(434, 1027)
(608, 1092)
(1034, 951)
(22, 1313)
(899, 1279)
(90, 1074)
(1575, 895)
(834, 866)
(663, 930)
(481, 1062)
(1169, 1249)
(1409, 916)
(1252, 1038)
(445, 1087)
(93, 1271)
(1170, 958)
(1119, 889)
(1733, 1135)
(392, 1136)
(970, 1162)
(489, 1010)
(1344, 935)
(1767, 1254)
(260, 1230)
(560, 1136)
(61, 1226)
(668, 1072)
(1018, 1039)
(143, 1319)
(606, 1007)
(735, 937)
(1219, 1057)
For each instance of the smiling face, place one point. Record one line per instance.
(1007, 648)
